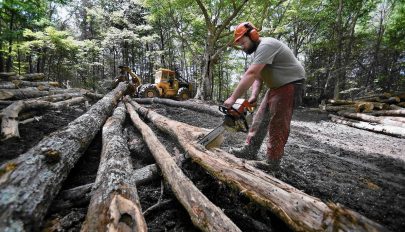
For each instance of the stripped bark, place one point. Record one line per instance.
(204, 214)
(297, 209)
(370, 118)
(29, 183)
(9, 115)
(195, 106)
(114, 205)
(383, 129)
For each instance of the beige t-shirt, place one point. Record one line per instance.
(281, 65)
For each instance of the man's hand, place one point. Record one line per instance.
(253, 100)
(229, 102)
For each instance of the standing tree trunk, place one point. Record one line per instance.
(29, 183)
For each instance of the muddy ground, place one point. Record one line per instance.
(362, 170)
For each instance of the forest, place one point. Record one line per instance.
(351, 47)
(105, 107)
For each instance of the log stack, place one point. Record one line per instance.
(30, 92)
(383, 113)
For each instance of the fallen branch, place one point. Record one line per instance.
(204, 214)
(383, 129)
(297, 209)
(39, 173)
(115, 196)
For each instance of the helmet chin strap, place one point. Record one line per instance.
(253, 48)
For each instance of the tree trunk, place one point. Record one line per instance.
(33, 77)
(184, 104)
(39, 173)
(204, 214)
(383, 129)
(370, 118)
(9, 120)
(389, 113)
(115, 202)
(297, 209)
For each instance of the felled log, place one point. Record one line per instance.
(6, 75)
(391, 100)
(21, 84)
(373, 119)
(401, 104)
(33, 77)
(398, 119)
(204, 214)
(389, 113)
(383, 129)
(18, 94)
(29, 183)
(184, 104)
(374, 98)
(9, 115)
(340, 102)
(115, 203)
(365, 107)
(297, 209)
(330, 108)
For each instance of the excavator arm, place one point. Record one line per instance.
(135, 79)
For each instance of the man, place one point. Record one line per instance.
(274, 64)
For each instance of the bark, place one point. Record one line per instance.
(115, 203)
(17, 94)
(297, 209)
(340, 102)
(204, 214)
(383, 129)
(80, 195)
(192, 105)
(391, 100)
(365, 107)
(372, 119)
(29, 183)
(389, 113)
(395, 107)
(33, 77)
(6, 75)
(330, 108)
(9, 115)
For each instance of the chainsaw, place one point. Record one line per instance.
(235, 120)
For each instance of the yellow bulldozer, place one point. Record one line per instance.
(167, 85)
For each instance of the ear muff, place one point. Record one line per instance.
(252, 32)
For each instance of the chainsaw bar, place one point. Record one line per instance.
(212, 135)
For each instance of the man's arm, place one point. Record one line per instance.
(251, 75)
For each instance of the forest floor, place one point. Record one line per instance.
(361, 170)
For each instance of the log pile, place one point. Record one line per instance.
(29, 183)
(25, 93)
(384, 113)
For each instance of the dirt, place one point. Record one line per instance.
(361, 170)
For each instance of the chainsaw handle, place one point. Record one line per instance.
(228, 111)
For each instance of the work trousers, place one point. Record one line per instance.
(274, 115)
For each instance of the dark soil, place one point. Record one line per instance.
(362, 170)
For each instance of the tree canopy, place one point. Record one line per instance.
(343, 45)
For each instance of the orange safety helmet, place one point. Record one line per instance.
(246, 28)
